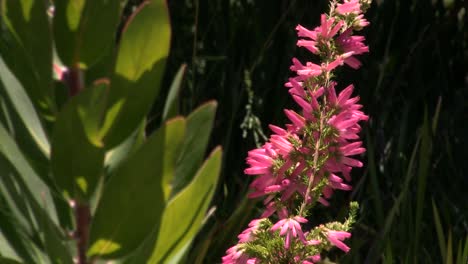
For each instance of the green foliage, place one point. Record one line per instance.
(80, 177)
(82, 32)
(138, 71)
(27, 53)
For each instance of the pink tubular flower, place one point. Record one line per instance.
(235, 256)
(249, 234)
(336, 238)
(351, 45)
(290, 227)
(349, 6)
(305, 72)
(260, 160)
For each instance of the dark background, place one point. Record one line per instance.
(413, 84)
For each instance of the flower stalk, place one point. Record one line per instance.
(309, 159)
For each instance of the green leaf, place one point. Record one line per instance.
(424, 164)
(117, 155)
(140, 65)
(172, 100)
(199, 124)
(439, 230)
(24, 107)
(134, 197)
(31, 181)
(11, 240)
(449, 258)
(85, 30)
(26, 47)
(77, 152)
(464, 258)
(8, 261)
(15, 234)
(184, 214)
(182, 218)
(55, 247)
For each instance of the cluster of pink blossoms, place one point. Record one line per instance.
(305, 162)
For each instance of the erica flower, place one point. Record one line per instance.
(351, 45)
(235, 256)
(290, 228)
(249, 234)
(349, 6)
(336, 238)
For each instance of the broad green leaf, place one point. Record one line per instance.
(77, 155)
(24, 108)
(172, 100)
(134, 197)
(139, 68)
(117, 155)
(199, 124)
(184, 214)
(85, 29)
(26, 47)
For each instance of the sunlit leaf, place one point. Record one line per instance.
(139, 68)
(172, 101)
(85, 29)
(77, 152)
(199, 125)
(134, 197)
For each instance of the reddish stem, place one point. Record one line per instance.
(83, 218)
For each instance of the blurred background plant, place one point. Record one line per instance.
(81, 180)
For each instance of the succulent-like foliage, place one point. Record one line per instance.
(80, 179)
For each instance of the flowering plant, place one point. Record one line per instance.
(302, 164)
